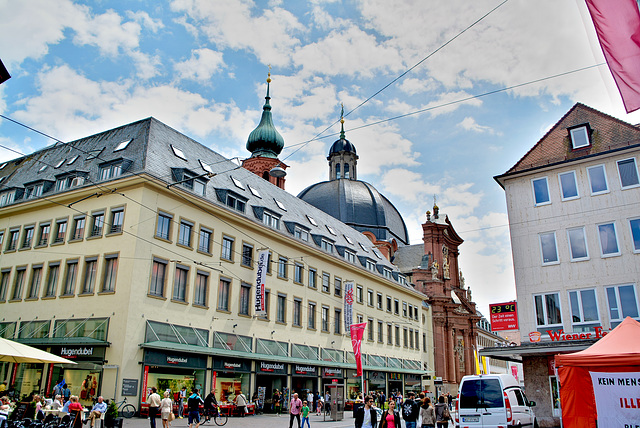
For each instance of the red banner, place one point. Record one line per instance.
(357, 331)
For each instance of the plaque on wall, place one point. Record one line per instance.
(129, 387)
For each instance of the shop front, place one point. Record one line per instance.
(376, 381)
(84, 379)
(331, 376)
(27, 378)
(230, 377)
(271, 376)
(395, 382)
(304, 379)
(412, 382)
(167, 370)
(354, 385)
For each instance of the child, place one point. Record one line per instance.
(320, 403)
(305, 414)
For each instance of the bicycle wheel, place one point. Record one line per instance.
(128, 410)
(221, 419)
(204, 418)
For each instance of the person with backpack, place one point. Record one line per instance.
(442, 413)
(193, 404)
(410, 410)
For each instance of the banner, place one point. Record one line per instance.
(357, 331)
(261, 274)
(348, 305)
(617, 398)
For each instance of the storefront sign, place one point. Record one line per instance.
(617, 400)
(268, 367)
(130, 387)
(348, 305)
(80, 353)
(395, 376)
(174, 359)
(260, 305)
(231, 365)
(327, 372)
(561, 336)
(305, 370)
(504, 316)
(145, 380)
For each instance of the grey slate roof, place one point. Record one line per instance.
(149, 151)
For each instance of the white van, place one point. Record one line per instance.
(493, 400)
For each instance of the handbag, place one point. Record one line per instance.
(172, 416)
(445, 414)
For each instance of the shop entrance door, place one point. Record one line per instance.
(336, 392)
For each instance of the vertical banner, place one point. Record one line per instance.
(514, 372)
(617, 398)
(145, 377)
(357, 331)
(214, 379)
(261, 274)
(348, 305)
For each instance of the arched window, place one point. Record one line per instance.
(265, 175)
(337, 170)
(346, 170)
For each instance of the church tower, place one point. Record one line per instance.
(265, 144)
(342, 157)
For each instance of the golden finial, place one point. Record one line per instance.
(269, 75)
(342, 113)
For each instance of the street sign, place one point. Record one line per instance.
(504, 316)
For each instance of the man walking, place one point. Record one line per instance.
(193, 404)
(182, 398)
(295, 407)
(366, 416)
(410, 410)
(154, 406)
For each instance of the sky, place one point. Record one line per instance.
(200, 66)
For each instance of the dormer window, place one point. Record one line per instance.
(580, 136)
(34, 191)
(270, 219)
(232, 199)
(113, 169)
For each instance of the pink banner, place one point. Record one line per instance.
(357, 331)
(617, 24)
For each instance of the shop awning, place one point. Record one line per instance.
(61, 341)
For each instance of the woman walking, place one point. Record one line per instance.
(427, 413)
(166, 410)
(390, 418)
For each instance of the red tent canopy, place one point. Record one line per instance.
(618, 351)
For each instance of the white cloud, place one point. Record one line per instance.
(202, 65)
(146, 21)
(470, 124)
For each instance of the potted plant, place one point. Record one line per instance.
(111, 415)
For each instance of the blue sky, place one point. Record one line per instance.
(200, 66)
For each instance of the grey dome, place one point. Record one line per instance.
(359, 205)
(342, 145)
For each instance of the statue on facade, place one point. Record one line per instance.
(434, 270)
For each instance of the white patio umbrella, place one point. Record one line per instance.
(15, 352)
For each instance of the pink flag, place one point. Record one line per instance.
(617, 24)
(357, 331)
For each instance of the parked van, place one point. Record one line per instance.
(495, 401)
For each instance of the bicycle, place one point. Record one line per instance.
(125, 409)
(218, 417)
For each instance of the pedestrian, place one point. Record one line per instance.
(390, 418)
(66, 392)
(295, 407)
(366, 416)
(241, 403)
(410, 410)
(276, 402)
(193, 404)
(450, 401)
(327, 403)
(305, 414)
(210, 405)
(320, 404)
(166, 410)
(183, 397)
(154, 406)
(442, 413)
(427, 413)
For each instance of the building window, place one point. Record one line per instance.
(78, 228)
(312, 316)
(301, 234)
(388, 303)
(634, 224)
(380, 331)
(61, 231)
(579, 137)
(326, 245)
(4, 283)
(338, 171)
(110, 171)
(584, 309)
(281, 308)
(34, 285)
(223, 294)
(313, 277)
(379, 300)
(628, 171)
(18, 284)
(235, 203)
(227, 248)
(45, 230)
(337, 286)
(34, 191)
(568, 185)
(52, 280)
(325, 318)
(110, 271)
(326, 278)
(623, 302)
(247, 255)
(184, 233)
(245, 298)
(158, 277)
(97, 224)
(389, 334)
(359, 294)
(411, 338)
(27, 237)
(396, 306)
(370, 331)
(577, 244)
(70, 278)
(282, 267)
(404, 309)
(350, 256)
(180, 283)
(337, 328)
(417, 339)
(549, 248)
(369, 297)
(405, 342)
(89, 279)
(410, 311)
(201, 289)
(298, 272)
(397, 334)
(548, 313)
(271, 220)
(598, 180)
(7, 198)
(540, 191)
(608, 240)
(297, 312)
(163, 229)
(117, 220)
(204, 241)
(12, 242)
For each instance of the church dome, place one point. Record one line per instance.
(265, 140)
(342, 145)
(359, 205)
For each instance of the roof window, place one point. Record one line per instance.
(237, 183)
(331, 230)
(73, 159)
(311, 220)
(349, 240)
(178, 152)
(205, 166)
(60, 163)
(254, 192)
(42, 168)
(280, 204)
(92, 154)
(123, 145)
(580, 136)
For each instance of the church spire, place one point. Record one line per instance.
(265, 140)
(342, 156)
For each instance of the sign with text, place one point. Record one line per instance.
(130, 387)
(261, 275)
(504, 316)
(617, 398)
